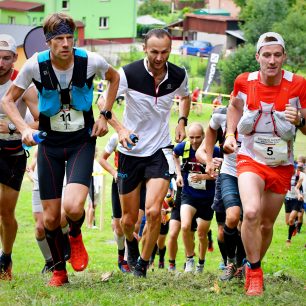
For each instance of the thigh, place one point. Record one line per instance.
(187, 214)
(156, 190)
(203, 226)
(8, 200)
(270, 206)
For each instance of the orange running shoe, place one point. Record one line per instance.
(247, 277)
(6, 274)
(59, 278)
(256, 282)
(79, 256)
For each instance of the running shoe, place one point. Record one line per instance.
(229, 272)
(171, 267)
(79, 256)
(199, 268)
(255, 282)
(66, 247)
(294, 232)
(140, 271)
(123, 265)
(239, 273)
(6, 271)
(288, 242)
(48, 267)
(161, 265)
(210, 246)
(189, 265)
(133, 253)
(59, 278)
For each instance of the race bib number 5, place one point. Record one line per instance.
(270, 150)
(67, 121)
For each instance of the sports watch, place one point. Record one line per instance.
(107, 114)
(184, 119)
(302, 123)
(12, 128)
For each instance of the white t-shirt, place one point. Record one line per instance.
(112, 144)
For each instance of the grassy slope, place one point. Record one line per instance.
(160, 287)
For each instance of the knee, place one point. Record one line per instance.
(232, 221)
(153, 215)
(251, 216)
(39, 231)
(202, 235)
(7, 218)
(266, 227)
(128, 221)
(186, 228)
(51, 222)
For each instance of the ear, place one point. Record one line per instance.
(144, 47)
(257, 57)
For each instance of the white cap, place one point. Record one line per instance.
(278, 40)
(7, 43)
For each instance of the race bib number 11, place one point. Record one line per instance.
(67, 121)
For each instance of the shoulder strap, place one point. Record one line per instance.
(186, 152)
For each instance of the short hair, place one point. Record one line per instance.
(54, 20)
(159, 33)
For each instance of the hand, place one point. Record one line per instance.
(27, 137)
(179, 181)
(292, 114)
(210, 168)
(100, 127)
(217, 162)
(124, 138)
(180, 133)
(195, 177)
(300, 197)
(230, 145)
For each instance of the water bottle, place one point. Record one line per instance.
(134, 139)
(38, 137)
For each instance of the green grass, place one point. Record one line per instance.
(284, 267)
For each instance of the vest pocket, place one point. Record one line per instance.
(49, 103)
(82, 98)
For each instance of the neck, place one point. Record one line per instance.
(61, 64)
(271, 81)
(6, 77)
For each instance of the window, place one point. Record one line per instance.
(41, 20)
(65, 5)
(103, 22)
(84, 20)
(34, 21)
(11, 20)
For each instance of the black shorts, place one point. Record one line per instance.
(12, 170)
(164, 228)
(51, 167)
(176, 210)
(132, 170)
(116, 206)
(293, 204)
(202, 205)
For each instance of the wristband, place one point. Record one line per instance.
(302, 123)
(230, 134)
(183, 118)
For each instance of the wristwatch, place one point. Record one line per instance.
(107, 114)
(302, 123)
(184, 119)
(12, 128)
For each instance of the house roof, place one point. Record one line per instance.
(148, 20)
(236, 33)
(20, 6)
(213, 17)
(19, 32)
(205, 11)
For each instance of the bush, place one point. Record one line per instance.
(242, 60)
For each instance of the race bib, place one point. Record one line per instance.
(67, 121)
(270, 150)
(168, 152)
(196, 185)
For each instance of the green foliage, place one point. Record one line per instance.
(143, 29)
(240, 3)
(242, 60)
(293, 30)
(260, 15)
(152, 7)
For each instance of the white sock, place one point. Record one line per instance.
(120, 241)
(44, 248)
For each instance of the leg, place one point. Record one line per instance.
(174, 230)
(203, 229)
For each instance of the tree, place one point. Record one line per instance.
(242, 60)
(259, 17)
(153, 7)
(293, 30)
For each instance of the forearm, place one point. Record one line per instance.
(184, 107)
(232, 118)
(209, 143)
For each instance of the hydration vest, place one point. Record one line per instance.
(78, 95)
(185, 167)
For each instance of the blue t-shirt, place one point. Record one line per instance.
(196, 166)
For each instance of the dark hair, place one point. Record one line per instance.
(159, 33)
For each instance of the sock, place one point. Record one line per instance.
(75, 226)
(290, 231)
(65, 229)
(6, 259)
(142, 262)
(56, 244)
(44, 248)
(222, 249)
(190, 257)
(153, 253)
(299, 226)
(255, 265)
(201, 261)
(230, 240)
(209, 234)
(162, 253)
(172, 262)
(240, 252)
(120, 241)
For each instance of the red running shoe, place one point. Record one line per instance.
(59, 278)
(79, 256)
(256, 282)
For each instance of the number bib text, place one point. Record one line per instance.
(67, 121)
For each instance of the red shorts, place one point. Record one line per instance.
(277, 179)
